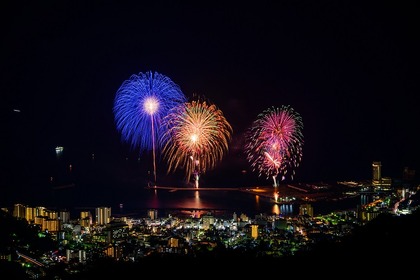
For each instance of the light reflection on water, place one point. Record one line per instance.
(276, 209)
(96, 191)
(227, 201)
(138, 201)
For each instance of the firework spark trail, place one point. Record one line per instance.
(274, 142)
(140, 104)
(197, 137)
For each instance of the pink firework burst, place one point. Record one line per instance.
(274, 143)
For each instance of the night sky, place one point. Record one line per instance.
(347, 67)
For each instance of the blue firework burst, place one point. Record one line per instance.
(140, 104)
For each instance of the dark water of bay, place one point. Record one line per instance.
(136, 202)
(86, 185)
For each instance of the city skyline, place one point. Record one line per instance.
(347, 68)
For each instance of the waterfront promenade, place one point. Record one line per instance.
(193, 188)
(303, 193)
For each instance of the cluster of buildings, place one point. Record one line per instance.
(101, 235)
(130, 239)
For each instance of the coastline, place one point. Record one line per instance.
(286, 193)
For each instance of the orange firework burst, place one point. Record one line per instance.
(197, 138)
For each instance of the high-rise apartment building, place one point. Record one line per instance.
(377, 179)
(306, 209)
(64, 216)
(85, 219)
(376, 173)
(103, 215)
(19, 211)
(152, 214)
